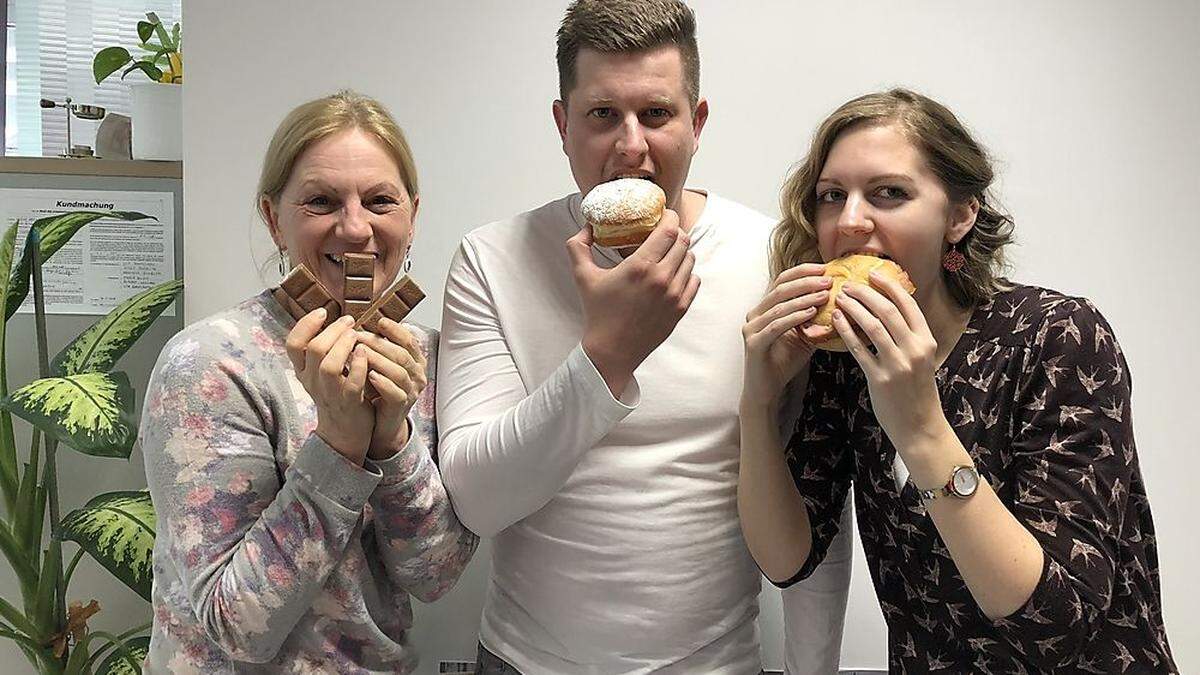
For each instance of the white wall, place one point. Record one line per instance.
(1091, 108)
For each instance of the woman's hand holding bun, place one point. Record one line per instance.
(854, 268)
(779, 334)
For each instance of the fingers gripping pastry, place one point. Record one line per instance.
(855, 267)
(623, 212)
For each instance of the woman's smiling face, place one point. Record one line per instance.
(344, 194)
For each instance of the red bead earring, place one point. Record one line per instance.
(954, 260)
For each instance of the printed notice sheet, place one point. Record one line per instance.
(107, 260)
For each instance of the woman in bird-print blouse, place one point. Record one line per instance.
(984, 425)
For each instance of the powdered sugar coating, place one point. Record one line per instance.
(621, 200)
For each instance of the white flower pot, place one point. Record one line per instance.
(157, 120)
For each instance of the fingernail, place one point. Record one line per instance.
(322, 312)
(837, 313)
(346, 320)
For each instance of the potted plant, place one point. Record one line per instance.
(82, 402)
(157, 103)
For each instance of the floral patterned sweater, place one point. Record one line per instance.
(274, 553)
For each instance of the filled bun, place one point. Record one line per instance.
(623, 212)
(855, 267)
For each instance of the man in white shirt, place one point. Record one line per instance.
(588, 400)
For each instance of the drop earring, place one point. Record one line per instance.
(283, 267)
(953, 260)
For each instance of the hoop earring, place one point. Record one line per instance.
(953, 260)
(283, 266)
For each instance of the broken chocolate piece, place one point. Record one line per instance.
(395, 303)
(300, 293)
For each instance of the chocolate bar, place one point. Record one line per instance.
(395, 303)
(300, 293)
(358, 285)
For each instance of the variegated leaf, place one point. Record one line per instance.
(90, 412)
(8, 445)
(99, 347)
(118, 664)
(117, 529)
(55, 232)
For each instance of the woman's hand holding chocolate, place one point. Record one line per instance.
(333, 370)
(396, 370)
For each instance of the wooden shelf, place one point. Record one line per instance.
(64, 166)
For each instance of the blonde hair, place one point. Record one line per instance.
(323, 117)
(959, 162)
(627, 26)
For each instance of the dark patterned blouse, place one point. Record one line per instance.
(1038, 392)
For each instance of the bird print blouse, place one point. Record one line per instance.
(1038, 391)
(275, 554)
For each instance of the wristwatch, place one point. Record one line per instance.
(964, 481)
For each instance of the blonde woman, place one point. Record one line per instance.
(295, 515)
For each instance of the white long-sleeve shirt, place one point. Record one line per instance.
(617, 545)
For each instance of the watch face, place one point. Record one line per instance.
(965, 481)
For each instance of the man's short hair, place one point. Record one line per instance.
(628, 26)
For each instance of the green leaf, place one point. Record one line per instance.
(117, 529)
(17, 619)
(175, 36)
(108, 61)
(117, 663)
(25, 643)
(160, 30)
(145, 30)
(39, 515)
(78, 660)
(8, 443)
(18, 561)
(160, 55)
(90, 412)
(146, 67)
(55, 231)
(26, 511)
(98, 348)
(43, 612)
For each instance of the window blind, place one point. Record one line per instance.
(52, 43)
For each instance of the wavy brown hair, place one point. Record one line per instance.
(959, 162)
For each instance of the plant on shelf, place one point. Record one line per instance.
(80, 401)
(163, 61)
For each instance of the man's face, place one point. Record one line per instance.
(629, 115)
